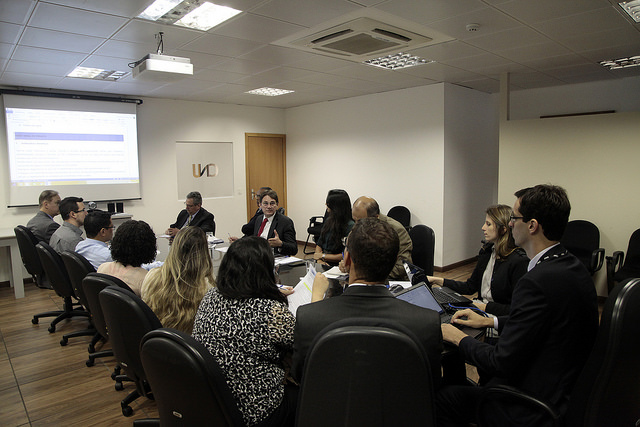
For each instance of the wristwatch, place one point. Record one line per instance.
(323, 256)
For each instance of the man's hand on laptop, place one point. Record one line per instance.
(470, 318)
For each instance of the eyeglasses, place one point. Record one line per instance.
(272, 203)
(513, 218)
(81, 210)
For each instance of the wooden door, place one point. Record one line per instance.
(265, 161)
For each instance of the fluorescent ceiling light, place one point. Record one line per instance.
(97, 74)
(198, 14)
(632, 8)
(614, 64)
(397, 61)
(269, 91)
(158, 9)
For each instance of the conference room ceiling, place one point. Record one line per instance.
(541, 43)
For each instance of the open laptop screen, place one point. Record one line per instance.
(420, 296)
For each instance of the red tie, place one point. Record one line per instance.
(264, 221)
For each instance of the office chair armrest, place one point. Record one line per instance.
(597, 259)
(503, 394)
(615, 261)
(314, 220)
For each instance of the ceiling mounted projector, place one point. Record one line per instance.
(157, 67)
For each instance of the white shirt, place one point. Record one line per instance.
(267, 226)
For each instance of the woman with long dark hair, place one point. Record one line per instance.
(336, 227)
(245, 324)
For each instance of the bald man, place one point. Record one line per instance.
(365, 207)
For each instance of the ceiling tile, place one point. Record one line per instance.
(306, 13)
(275, 54)
(49, 69)
(217, 76)
(543, 10)
(29, 80)
(16, 11)
(219, 45)
(534, 52)
(5, 50)
(483, 85)
(9, 32)
(58, 40)
(427, 11)
(490, 21)
(243, 66)
(35, 54)
(70, 20)
(512, 38)
(126, 50)
(141, 31)
(257, 28)
(446, 51)
(107, 63)
(582, 23)
(126, 8)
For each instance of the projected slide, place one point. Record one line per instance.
(53, 148)
(78, 147)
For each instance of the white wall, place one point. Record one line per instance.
(162, 122)
(471, 169)
(621, 95)
(594, 157)
(400, 148)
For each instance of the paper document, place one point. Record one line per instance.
(282, 260)
(404, 284)
(222, 249)
(302, 292)
(335, 273)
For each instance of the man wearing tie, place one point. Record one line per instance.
(194, 215)
(277, 228)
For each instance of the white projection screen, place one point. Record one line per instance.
(78, 147)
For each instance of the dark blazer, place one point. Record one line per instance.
(42, 226)
(367, 301)
(247, 229)
(283, 225)
(549, 333)
(506, 273)
(203, 219)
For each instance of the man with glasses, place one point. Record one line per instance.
(194, 215)
(99, 229)
(67, 237)
(551, 327)
(42, 225)
(272, 225)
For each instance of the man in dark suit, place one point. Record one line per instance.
(551, 327)
(246, 229)
(194, 215)
(371, 252)
(277, 228)
(42, 225)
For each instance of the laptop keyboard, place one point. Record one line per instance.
(443, 297)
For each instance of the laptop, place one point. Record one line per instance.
(442, 295)
(422, 296)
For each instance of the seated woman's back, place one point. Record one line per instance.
(174, 291)
(245, 323)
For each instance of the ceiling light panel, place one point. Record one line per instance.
(614, 64)
(397, 61)
(269, 91)
(97, 74)
(632, 8)
(197, 14)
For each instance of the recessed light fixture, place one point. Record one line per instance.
(97, 74)
(632, 8)
(397, 61)
(614, 64)
(198, 14)
(269, 91)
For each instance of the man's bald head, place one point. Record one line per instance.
(365, 207)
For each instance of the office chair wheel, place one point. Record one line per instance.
(116, 372)
(51, 329)
(64, 341)
(89, 363)
(34, 320)
(127, 411)
(119, 387)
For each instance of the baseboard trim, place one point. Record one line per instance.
(455, 265)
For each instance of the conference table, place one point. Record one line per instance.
(8, 239)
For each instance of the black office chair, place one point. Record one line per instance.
(59, 279)
(314, 230)
(78, 267)
(582, 239)
(172, 359)
(359, 375)
(128, 319)
(27, 244)
(607, 392)
(620, 267)
(424, 246)
(401, 214)
(92, 284)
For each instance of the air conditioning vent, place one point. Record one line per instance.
(360, 38)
